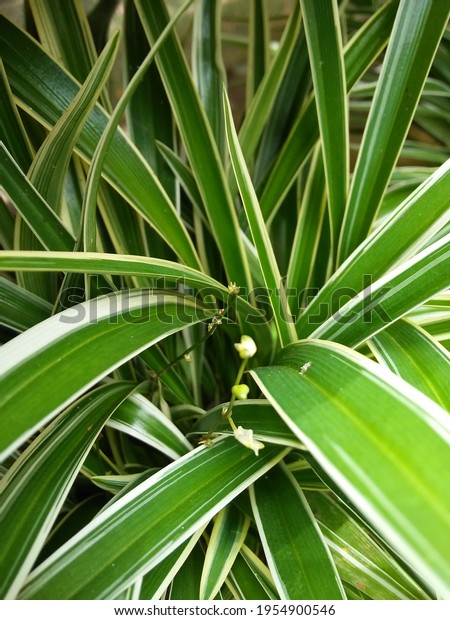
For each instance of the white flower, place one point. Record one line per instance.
(240, 391)
(245, 437)
(246, 348)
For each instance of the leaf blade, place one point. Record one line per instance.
(406, 488)
(144, 524)
(291, 538)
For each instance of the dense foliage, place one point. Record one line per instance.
(225, 307)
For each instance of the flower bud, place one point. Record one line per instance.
(246, 348)
(240, 391)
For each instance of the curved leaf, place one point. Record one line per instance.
(360, 53)
(260, 235)
(142, 528)
(20, 309)
(411, 353)
(97, 262)
(140, 418)
(198, 142)
(410, 228)
(85, 343)
(45, 88)
(390, 297)
(361, 423)
(35, 487)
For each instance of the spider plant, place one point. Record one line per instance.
(224, 274)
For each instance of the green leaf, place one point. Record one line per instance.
(209, 71)
(305, 247)
(85, 342)
(381, 441)
(261, 240)
(103, 147)
(49, 167)
(43, 87)
(291, 538)
(265, 96)
(411, 227)
(415, 36)
(184, 586)
(20, 309)
(158, 579)
(12, 131)
(227, 536)
(290, 95)
(390, 297)
(199, 144)
(185, 177)
(251, 577)
(412, 354)
(7, 227)
(359, 559)
(360, 53)
(44, 222)
(159, 269)
(258, 48)
(323, 36)
(148, 113)
(140, 418)
(136, 532)
(434, 316)
(64, 31)
(35, 487)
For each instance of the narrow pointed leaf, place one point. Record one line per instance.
(140, 418)
(49, 167)
(390, 297)
(258, 49)
(184, 586)
(208, 67)
(37, 213)
(148, 113)
(155, 582)
(20, 309)
(305, 247)
(96, 262)
(198, 142)
(103, 147)
(410, 227)
(293, 544)
(45, 88)
(64, 31)
(261, 240)
(323, 35)
(227, 536)
(415, 36)
(360, 53)
(12, 131)
(263, 101)
(360, 559)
